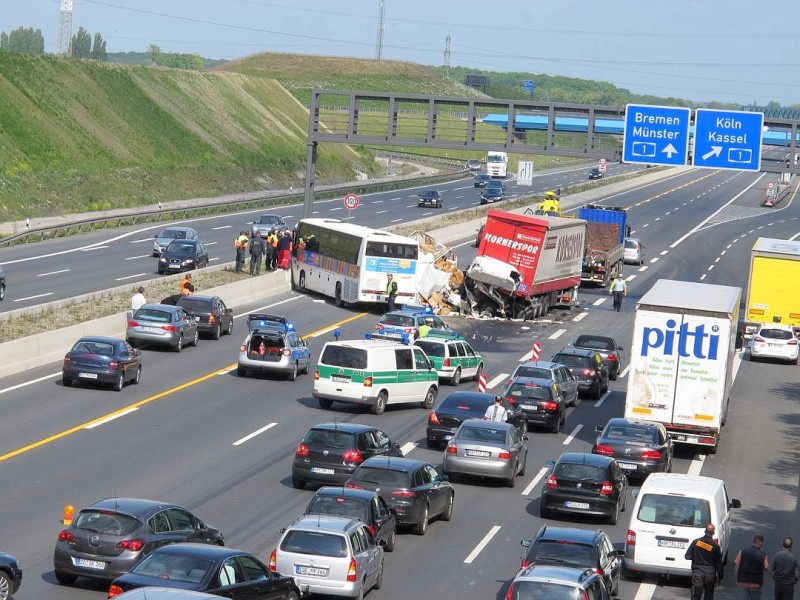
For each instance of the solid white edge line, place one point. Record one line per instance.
(31, 382)
(112, 417)
(482, 544)
(496, 380)
(529, 488)
(254, 434)
(572, 435)
(409, 447)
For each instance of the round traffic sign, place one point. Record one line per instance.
(602, 161)
(770, 185)
(351, 201)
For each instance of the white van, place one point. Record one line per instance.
(375, 373)
(671, 511)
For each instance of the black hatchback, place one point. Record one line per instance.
(430, 198)
(331, 452)
(109, 537)
(584, 484)
(183, 255)
(539, 400)
(589, 367)
(364, 505)
(573, 547)
(460, 406)
(214, 318)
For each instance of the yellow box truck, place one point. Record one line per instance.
(773, 288)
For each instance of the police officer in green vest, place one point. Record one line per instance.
(391, 291)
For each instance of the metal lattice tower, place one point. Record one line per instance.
(64, 28)
(447, 56)
(381, 26)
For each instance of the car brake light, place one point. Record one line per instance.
(352, 456)
(66, 536)
(403, 493)
(589, 372)
(368, 381)
(273, 562)
(630, 539)
(504, 454)
(378, 327)
(169, 328)
(433, 419)
(524, 563)
(242, 348)
(612, 357)
(133, 323)
(550, 406)
(132, 545)
(651, 455)
(511, 400)
(604, 450)
(67, 360)
(372, 529)
(452, 449)
(353, 486)
(510, 592)
(316, 374)
(446, 362)
(552, 482)
(286, 352)
(599, 571)
(707, 440)
(606, 489)
(212, 319)
(351, 570)
(758, 338)
(302, 450)
(791, 343)
(114, 591)
(113, 365)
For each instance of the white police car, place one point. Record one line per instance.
(273, 346)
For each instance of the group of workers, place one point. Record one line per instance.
(275, 250)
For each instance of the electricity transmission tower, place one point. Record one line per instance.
(64, 28)
(381, 26)
(446, 67)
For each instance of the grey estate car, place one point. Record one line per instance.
(164, 325)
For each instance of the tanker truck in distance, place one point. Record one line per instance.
(526, 265)
(681, 368)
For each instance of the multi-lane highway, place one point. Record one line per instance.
(185, 434)
(67, 267)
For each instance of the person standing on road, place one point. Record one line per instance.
(751, 562)
(785, 571)
(241, 245)
(706, 557)
(257, 248)
(496, 412)
(618, 289)
(138, 300)
(391, 291)
(271, 250)
(284, 250)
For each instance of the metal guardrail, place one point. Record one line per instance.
(134, 217)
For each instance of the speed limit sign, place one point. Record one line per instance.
(351, 201)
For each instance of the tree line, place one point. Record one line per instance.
(29, 41)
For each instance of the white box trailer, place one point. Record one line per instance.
(682, 352)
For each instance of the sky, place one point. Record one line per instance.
(700, 50)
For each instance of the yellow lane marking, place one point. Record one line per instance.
(671, 190)
(159, 396)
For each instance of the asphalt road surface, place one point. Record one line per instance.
(189, 433)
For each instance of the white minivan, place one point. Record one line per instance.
(671, 511)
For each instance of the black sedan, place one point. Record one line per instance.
(363, 505)
(10, 575)
(102, 360)
(482, 179)
(183, 255)
(203, 568)
(213, 317)
(596, 173)
(605, 346)
(460, 406)
(414, 489)
(584, 484)
(430, 198)
(640, 447)
(492, 195)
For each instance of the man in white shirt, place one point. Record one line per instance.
(138, 300)
(618, 289)
(496, 412)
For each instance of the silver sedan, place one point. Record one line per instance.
(486, 449)
(162, 324)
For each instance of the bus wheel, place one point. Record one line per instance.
(302, 281)
(337, 299)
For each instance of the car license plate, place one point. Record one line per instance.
(569, 504)
(87, 375)
(322, 471)
(89, 564)
(527, 406)
(311, 571)
(479, 453)
(174, 266)
(340, 379)
(628, 466)
(679, 438)
(672, 544)
(154, 329)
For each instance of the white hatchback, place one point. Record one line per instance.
(773, 340)
(634, 251)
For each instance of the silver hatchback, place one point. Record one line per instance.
(171, 234)
(634, 251)
(164, 325)
(336, 556)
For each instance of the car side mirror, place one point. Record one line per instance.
(430, 365)
(525, 543)
(230, 311)
(620, 348)
(599, 428)
(736, 503)
(550, 463)
(155, 237)
(444, 477)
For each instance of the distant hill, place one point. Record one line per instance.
(143, 58)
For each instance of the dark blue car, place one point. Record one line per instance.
(102, 360)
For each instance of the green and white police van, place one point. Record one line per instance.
(375, 373)
(452, 356)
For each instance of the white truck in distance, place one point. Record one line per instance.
(497, 164)
(682, 353)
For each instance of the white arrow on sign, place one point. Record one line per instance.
(670, 150)
(715, 151)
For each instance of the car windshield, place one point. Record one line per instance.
(176, 247)
(339, 506)
(315, 543)
(776, 334)
(566, 553)
(530, 371)
(573, 361)
(173, 567)
(581, 472)
(431, 348)
(524, 391)
(102, 348)
(149, 314)
(674, 510)
(106, 522)
(175, 234)
(330, 438)
(397, 320)
(345, 357)
(631, 245)
(388, 477)
(545, 590)
(646, 435)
